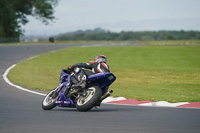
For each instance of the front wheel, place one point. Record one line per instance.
(49, 101)
(92, 97)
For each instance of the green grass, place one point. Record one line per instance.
(173, 42)
(170, 73)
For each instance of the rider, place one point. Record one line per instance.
(97, 66)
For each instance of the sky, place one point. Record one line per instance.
(119, 15)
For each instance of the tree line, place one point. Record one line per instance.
(99, 34)
(13, 14)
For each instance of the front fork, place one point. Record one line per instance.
(56, 91)
(54, 94)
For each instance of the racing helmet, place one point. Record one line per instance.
(101, 58)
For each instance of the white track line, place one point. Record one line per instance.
(42, 94)
(19, 87)
(108, 99)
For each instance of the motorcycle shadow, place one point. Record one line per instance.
(75, 110)
(103, 108)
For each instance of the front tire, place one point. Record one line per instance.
(49, 101)
(93, 95)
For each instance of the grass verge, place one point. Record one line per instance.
(170, 73)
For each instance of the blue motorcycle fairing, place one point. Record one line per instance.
(102, 79)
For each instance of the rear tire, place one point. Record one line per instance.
(93, 95)
(49, 102)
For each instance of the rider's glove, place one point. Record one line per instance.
(69, 68)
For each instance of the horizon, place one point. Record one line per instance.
(122, 15)
(72, 32)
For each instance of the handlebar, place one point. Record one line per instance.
(72, 71)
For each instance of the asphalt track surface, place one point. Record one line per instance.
(21, 112)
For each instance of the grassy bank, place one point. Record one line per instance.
(170, 73)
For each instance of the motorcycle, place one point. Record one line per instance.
(83, 99)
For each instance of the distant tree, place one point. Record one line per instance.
(13, 14)
(170, 37)
(129, 35)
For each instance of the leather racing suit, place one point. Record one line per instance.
(95, 67)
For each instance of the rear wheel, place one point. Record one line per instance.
(92, 97)
(49, 101)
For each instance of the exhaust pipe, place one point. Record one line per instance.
(107, 94)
